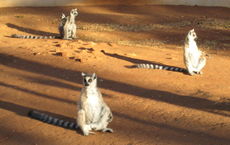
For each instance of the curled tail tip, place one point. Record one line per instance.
(14, 36)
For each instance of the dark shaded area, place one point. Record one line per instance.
(186, 135)
(12, 136)
(31, 31)
(35, 93)
(75, 76)
(23, 111)
(45, 69)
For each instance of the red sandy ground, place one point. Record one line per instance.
(154, 107)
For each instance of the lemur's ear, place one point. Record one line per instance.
(62, 15)
(94, 76)
(83, 74)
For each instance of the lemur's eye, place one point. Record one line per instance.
(90, 80)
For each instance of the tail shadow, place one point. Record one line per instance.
(139, 61)
(31, 31)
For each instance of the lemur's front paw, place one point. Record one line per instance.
(88, 132)
(200, 73)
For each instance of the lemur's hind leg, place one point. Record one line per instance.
(200, 65)
(65, 36)
(81, 122)
(67, 33)
(74, 33)
(190, 69)
(102, 123)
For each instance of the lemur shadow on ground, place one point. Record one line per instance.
(138, 61)
(31, 31)
(133, 60)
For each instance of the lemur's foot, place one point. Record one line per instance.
(199, 72)
(87, 130)
(86, 133)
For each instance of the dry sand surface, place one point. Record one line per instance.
(150, 107)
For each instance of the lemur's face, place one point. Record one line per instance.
(88, 79)
(192, 35)
(74, 12)
(63, 19)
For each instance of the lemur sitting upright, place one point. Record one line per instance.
(92, 113)
(194, 59)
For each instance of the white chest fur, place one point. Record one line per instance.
(93, 97)
(94, 104)
(192, 53)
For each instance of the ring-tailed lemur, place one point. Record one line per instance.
(194, 59)
(62, 24)
(93, 112)
(70, 25)
(67, 28)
